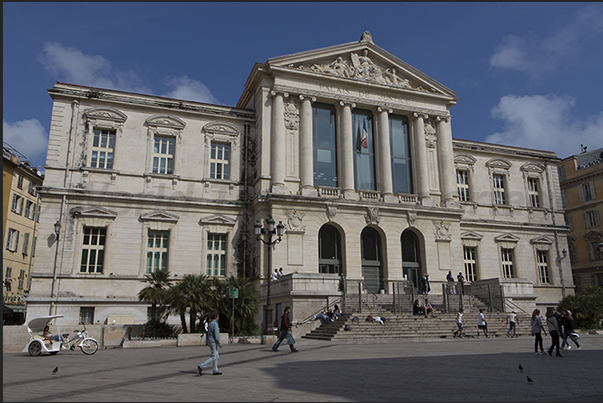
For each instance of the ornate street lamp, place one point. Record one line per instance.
(57, 229)
(268, 231)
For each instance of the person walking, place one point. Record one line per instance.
(553, 326)
(512, 320)
(537, 327)
(459, 324)
(285, 328)
(482, 323)
(568, 331)
(213, 341)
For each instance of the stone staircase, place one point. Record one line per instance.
(407, 325)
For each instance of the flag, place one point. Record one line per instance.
(364, 136)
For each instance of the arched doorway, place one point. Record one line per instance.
(372, 264)
(329, 250)
(411, 258)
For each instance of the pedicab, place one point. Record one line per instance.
(39, 344)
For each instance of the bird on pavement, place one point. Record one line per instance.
(54, 371)
(520, 367)
(529, 380)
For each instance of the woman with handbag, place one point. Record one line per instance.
(285, 328)
(536, 329)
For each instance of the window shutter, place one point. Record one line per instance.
(585, 219)
(591, 185)
(596, 217)
(17, 234)
(581, 193)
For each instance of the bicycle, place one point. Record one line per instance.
(87, 344)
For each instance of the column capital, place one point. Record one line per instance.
(421, 115)
(344, 103)
(446, 118)
(284, 94)
(309, 98)
(386, 110)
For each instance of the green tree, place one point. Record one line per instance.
(155, 292)
(245, 306)
(586, 307)
(192, 294)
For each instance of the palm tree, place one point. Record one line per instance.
(193, 293)
(245, 306)
(155, 292)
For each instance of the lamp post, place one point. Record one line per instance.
(268, 231)
(53, 293)
(559, 259)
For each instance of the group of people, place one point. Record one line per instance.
(460, 279)
(329, 315)
(482, 324)
(423, 309)
(559, 325)
(278, 273)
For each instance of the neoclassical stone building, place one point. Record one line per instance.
(349, 147)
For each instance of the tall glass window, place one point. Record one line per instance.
(543, 266)
(325, 145)
(219, 161)
(102, 149)
(462, 185)
(163, 155)
(93, 250)
(364, 159)
(401, 162)
(329, 250)
(533, 192)
(498, 182)
(507, 263)
(469, 257)
(216, 255)
(157, 250)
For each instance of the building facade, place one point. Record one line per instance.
(21, 206)
(348, 147)
(582, 194)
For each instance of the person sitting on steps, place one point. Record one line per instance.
(429, 308)
(418, 308)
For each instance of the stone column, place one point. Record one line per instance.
(347, 151)
(306, 147)
(277, 137)
(446, 160)
(384, 153)
(421, 155)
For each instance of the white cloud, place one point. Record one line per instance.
(539, 56)
(189, 89)
(545, 123)
(28, 137)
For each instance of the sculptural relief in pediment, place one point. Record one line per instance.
(363, 68)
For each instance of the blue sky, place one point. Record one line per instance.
(526, 74)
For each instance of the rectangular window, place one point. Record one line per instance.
(219, 161)
(157, 250)
(20, 181)
(325, 145)
(216, 255)
(93, 250)
(470, 263)
(163, 155)
(364, 158)
(32, 188)
(87, 315)
(25, 244)
(543, 266)
(33, 246)
(594, 252)
(17, 206)
(30, 209)
(8, 279)
(533, 192)
(587, 191)
(499, 189)
(507, 263)
(12, 241)
(591, 218)
(103, 145)
(401, 158)
(561, 172)
(21, 279)
(462, 185)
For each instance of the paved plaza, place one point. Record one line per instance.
(414, 370)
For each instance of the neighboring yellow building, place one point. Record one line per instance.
(581, 178)
(21, 205)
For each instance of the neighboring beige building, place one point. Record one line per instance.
(19, 224)
(582, 190)
(349, 147)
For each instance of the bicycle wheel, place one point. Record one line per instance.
(89, 346)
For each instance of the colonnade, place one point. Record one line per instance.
(345, 152)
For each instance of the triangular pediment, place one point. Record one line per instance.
(93, 211)
(105, 113)
(464, 159)
(507, 238)
(221, 128)
(470, 235)
(543, 240)
(219, 219)
(166, 121)
(532, 167)
(159, 215)
(498, 163)
(592, 236)
(362, 62)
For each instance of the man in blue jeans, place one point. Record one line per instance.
(213, 341)
(285, 328)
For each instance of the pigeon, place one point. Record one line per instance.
(520, 367)
(529, 380)
(54, 371)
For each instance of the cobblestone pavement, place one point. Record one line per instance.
(415, 370)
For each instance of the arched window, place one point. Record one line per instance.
(411, 257)
(329, 250)
(372, 265)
